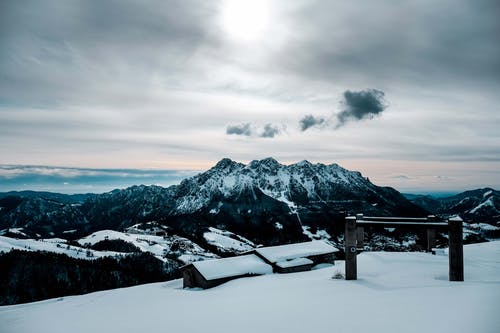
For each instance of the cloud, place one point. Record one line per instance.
(270, 131)
(78, 180)
(247, 129)
(425, 49)
(65, 52)
(243, 129)
(310, 121)
(357, 105)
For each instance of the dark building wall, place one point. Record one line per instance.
(293, 269)
(328, 258)
(192, 278)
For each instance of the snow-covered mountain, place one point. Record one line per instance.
(295, 185)
(480, 210)
(475, 206)
(264, 201)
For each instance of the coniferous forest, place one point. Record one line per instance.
(32, 276)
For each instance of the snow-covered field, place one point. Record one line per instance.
(159, 246)
(396, 292)
(227, 241)
(56, 245)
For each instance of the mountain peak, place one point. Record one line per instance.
(267, 162)
(225, 163)
(303, 163)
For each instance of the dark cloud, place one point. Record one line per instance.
(357, 105)
(243, 129)
(270, 131)
(310, 121)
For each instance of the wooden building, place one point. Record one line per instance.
(210, 273)
(297, 257)
(294, 265)
(264, 260)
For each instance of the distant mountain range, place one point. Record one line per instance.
(475, 206)
(264, 201)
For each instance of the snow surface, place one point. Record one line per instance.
(292, 251)
(18, 231)
(320, 233)
(157, 245)
(227, 241)
(56, 245)
(234, 266)
(483, 226)
(395, 292)
(294, 262)
(487, 203)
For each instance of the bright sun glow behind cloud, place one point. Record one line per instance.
(245, 20)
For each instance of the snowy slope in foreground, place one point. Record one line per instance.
(396, 292)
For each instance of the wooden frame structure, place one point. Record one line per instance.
(354, 239)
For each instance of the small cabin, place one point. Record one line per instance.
(297, 257)
(210, 273)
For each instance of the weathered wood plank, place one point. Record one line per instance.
(456, 250)
(350, 249)
(365, 222)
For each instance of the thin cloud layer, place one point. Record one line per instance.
(83, 180)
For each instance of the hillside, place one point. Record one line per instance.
(480, 209)
(396, 292)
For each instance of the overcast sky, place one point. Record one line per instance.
(407, 92)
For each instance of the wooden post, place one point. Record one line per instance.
(431, 234)
(456, 250)
(350, 248)
(431, 239)
(360, 235)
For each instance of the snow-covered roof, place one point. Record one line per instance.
(292, 251)
(294, 262)
(234, 266)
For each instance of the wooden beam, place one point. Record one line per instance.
(403, 224)
(396, 219)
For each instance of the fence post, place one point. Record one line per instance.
(360, 234)
(456, 250)
(350, 248)
(431, 234)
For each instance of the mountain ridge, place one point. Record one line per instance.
(263, 200)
